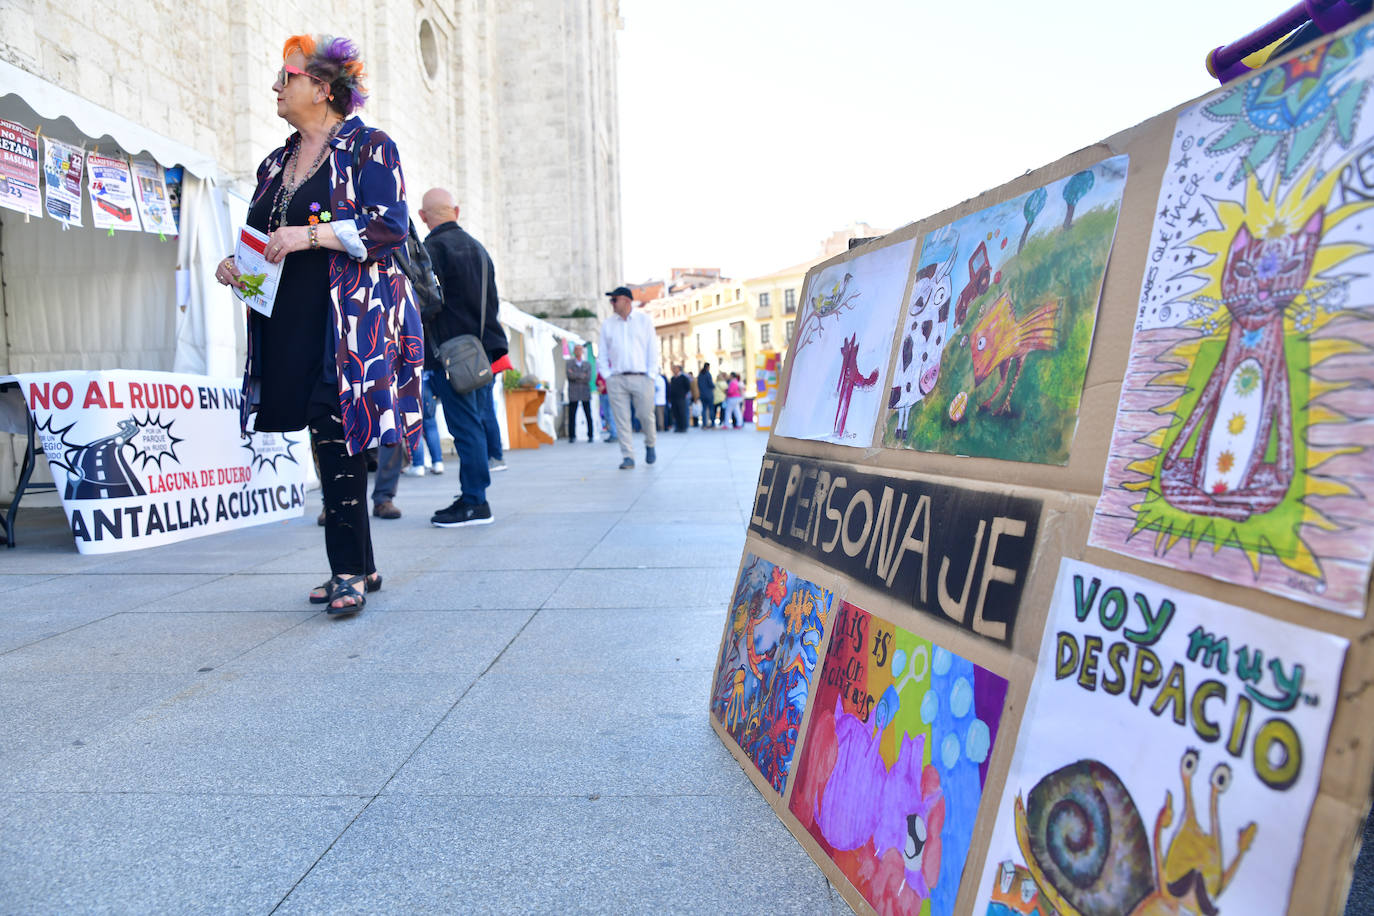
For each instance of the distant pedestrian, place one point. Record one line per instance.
(431, 438)
(628, 354)
(385, 482)
(679, 391)
(707, 387)
(471, 305)
(722, 385)
(734, 397)
(695, 404)
(579, 373)
(660, 400)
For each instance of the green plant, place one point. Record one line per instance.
(582, 313)
(510, 379)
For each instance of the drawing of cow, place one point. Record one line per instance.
(928, 330)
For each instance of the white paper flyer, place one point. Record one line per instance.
(112, 194)
(19, 169)
(153, 203)
(63, 166)
(258, 275)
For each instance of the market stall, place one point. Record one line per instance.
(92, 280)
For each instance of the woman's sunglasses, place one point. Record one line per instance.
(287, 71)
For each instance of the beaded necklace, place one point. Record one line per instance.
(282, 201)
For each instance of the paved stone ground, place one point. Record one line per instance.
(517, 722)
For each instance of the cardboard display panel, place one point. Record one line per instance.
(1220, 681)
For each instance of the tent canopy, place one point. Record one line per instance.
(29, 99)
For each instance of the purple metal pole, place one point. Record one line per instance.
(1225, 62)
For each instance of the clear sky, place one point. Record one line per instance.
(752, 129)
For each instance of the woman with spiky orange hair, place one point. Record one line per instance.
(342, 349)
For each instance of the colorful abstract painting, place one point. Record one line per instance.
(1168, 757)
(767, 655)
(1241, 447)
(840, 347)
(993, 344)
(894, 762)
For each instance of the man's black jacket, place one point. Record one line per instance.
(705, 383)
(458, 260)
(680, 388)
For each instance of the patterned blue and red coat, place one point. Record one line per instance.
(378, 341)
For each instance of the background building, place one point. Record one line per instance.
(707, 318)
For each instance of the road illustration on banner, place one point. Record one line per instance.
(99, 470)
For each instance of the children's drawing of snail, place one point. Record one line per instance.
(1086, 847)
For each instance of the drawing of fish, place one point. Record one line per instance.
(999, 337)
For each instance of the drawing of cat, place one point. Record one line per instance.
(1246, 403)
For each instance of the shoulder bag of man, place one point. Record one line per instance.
(416, 265)
(464, 357)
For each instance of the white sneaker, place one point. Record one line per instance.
(414, 470)
(437, 468)
(496, 464)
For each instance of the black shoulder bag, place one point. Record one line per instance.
(416, 265)
(464, 357)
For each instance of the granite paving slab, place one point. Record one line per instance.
(41, 713)
(270, 734)
(536, 731)
(137, 643)
(109, 591)
(20, 627)
(473, 590)
(461, 644)
(667, 588)
(618, 640)
(119, 853)
(489, 854)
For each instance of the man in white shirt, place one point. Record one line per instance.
(628, 360)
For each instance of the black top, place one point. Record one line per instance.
(295, 347)
(468, 279)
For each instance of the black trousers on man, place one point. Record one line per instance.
(572, 420)
(680, 411)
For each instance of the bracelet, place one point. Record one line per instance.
(314, 238)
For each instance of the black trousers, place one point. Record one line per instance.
(343, 482)
(572, 420)
(680, 413)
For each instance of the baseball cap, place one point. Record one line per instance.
(621, 291)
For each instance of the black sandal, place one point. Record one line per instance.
(374, 584)
(342, 590)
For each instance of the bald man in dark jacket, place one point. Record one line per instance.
(468, 280)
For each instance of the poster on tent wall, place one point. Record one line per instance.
(63, 167)
(19, 169)
(993, 346)
(112, 193)
(1241, 449)
(154, 204)
(1168, 757)
(840, 347)
(894, 762)
(147, 458)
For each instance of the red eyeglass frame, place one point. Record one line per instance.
(290, 71)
